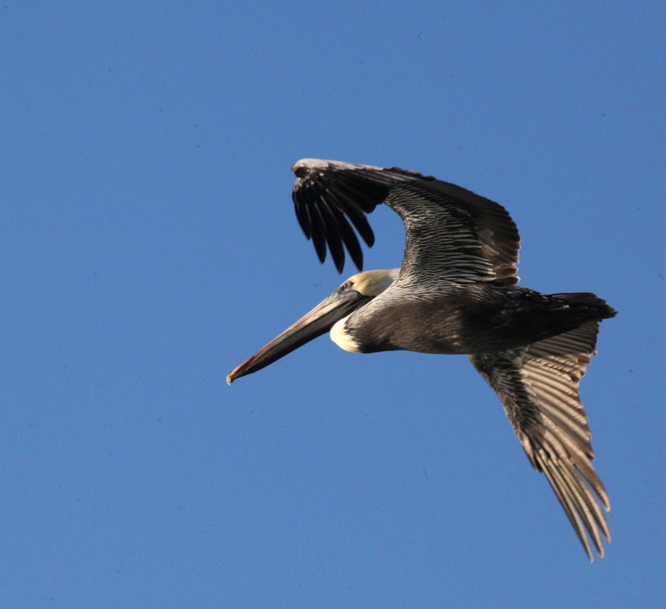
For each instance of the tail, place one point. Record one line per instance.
(589, 301)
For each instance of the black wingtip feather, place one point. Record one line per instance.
(319, 234)
(349, 238)
(347, 206)
(330, 198)
(333, 235)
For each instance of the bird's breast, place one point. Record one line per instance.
(411, 326)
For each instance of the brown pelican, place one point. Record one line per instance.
(456, 293)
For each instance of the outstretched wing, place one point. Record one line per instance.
(451, 233)
(538, 386)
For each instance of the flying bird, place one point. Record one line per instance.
(456, 293)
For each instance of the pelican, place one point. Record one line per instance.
(456, 293)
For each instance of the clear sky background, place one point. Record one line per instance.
(149, 245)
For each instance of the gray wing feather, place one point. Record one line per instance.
(538, 387)
(454, 234)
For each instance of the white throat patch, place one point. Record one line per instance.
(340, 337)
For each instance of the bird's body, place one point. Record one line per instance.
(466, 319)
(455, 293)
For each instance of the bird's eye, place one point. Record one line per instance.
(345, 286)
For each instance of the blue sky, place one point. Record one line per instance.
(149, 246)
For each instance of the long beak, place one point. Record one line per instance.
(317, 322)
